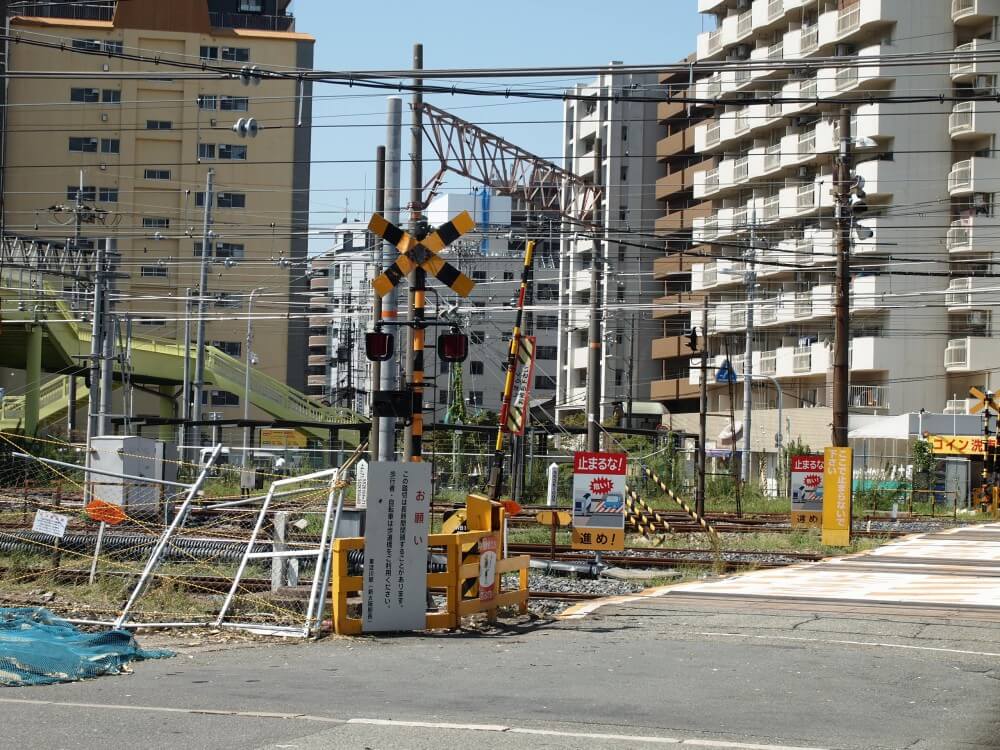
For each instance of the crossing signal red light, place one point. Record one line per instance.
(379, 346)
(453, 347)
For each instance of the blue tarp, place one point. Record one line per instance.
(38, 648)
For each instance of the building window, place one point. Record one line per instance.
(84, 96)
(209, 53)
(442, 396)
(229, 250)
(110, 146)
(479, 275)
(198, 246)
(232, 200)
(547, 292)
(508, 275)
(206, 150)
(159, 272)
(113, 47)
(150, 321)
(234, 103)
(546, 352)
(443, 367)
(225, 398)
(226, 299)
(159, 125)
(80, 144)
(624, 132)
(232, 348)
(155, 222)
(546, 322)
(478, 337)
(87, 45)
(545, 382)
(236, 54)
(251, 6)
(619, 377)
(229, 151)
(156, 174)
(475, 398)
(109, 195)
(111, 96)
(475, 367)
(89, 193)
(208, 101)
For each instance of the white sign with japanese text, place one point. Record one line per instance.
(599, 500)
(52, 524)
(361, 484)
(396, 529)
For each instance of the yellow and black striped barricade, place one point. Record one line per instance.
(449, 581)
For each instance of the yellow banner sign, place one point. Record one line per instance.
(276, 438)
(807, 519)
(960, 445)
(838, 476)
(599, 538)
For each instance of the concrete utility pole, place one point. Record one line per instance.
(248, 359)
(702, 412)
(206, 254)
(594, 339)
(390, 303)
(374, 437)
(186, 374)
(97, 331)
(413, 437)
(842, 300)
(71, 408)
(751, 285)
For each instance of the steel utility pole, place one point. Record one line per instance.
(206, 254)
(186, 375)
(374, 437)
(390, 303)
(699, 502)
(413, 437)
(751, 285)
(842, 299)
(594, 339)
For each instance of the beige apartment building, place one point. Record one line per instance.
(145, 147)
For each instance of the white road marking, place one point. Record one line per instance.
(852, 643)
(499, 728)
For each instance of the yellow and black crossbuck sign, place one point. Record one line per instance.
(423, 253)
(986, 401)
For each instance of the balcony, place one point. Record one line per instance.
(973, 120)
(802, 306)
(768, 364)
(971, 354)
(741, 169)
(670, 347)
(772, 157)
(671, 265)
(319, 342)
(960, 405)
(971, 235)
(318, 360)
(768, 313)
(972, 12)
(969, 62)
(318, 381)
(809, 40)
(673, 389)
(770, 209)
(805, 197)
(868, 293)
(965, 294)
(868, 397)
(802, 360)
(976, 175)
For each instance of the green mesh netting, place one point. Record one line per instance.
(38, 648)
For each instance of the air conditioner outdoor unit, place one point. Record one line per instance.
(978, 318)
(845, 50)
(805, 173)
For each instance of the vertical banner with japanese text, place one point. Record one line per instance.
(807, 490)
(838, 479)
(599, 500)
(396, 529)
(517, 416)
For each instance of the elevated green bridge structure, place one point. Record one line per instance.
(41, 334)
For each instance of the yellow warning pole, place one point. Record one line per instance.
(496, 470)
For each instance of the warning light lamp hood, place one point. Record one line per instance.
(379, 346)
(453, 347)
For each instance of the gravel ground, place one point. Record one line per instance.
(571, 584)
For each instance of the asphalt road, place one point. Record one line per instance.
(655, 673)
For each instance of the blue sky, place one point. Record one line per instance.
(516, 33)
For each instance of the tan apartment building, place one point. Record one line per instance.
(145, 146)
(678, 164)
